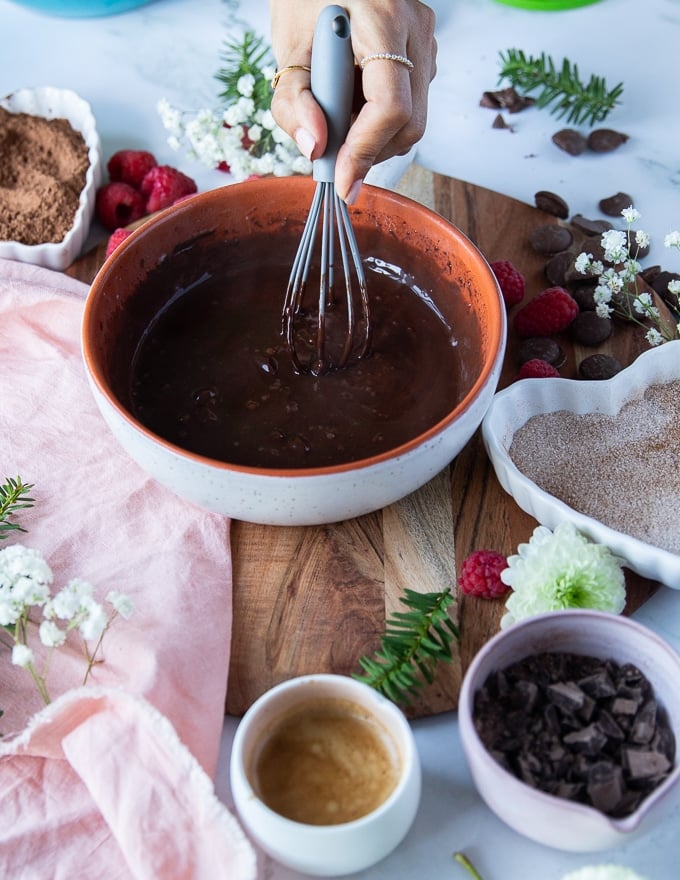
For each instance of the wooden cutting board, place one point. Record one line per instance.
(315, 599)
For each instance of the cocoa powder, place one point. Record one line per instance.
(621, 470)
(43, 164)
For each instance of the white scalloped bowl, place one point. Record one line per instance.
(514, 406)
(53, 103)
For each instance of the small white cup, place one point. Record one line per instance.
(325, 850)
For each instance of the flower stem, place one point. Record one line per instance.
(467, 864)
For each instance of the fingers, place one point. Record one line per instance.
(394, 112)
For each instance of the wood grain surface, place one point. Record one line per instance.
(315, 599)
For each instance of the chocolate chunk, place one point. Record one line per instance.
(506, 99)
(660, 282)
(649, 273)
(588, 328)
(567, 695)
(645, 764)
(590, 227)
(622, 706)
(551, 203)
(609, 727)
(550, 238)
(604, 140)
(571, 141)
(541, 347)
(599, 366)
(644, 724)
(613, 205)
(559, 270)
(588, 740)
(606, 786)
(599, 684)
(499, 122)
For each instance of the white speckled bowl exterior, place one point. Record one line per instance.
(53, 103)
(552, 821)
(514, 406)
(326, 850)
(315, 495)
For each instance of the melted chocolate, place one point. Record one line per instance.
(212, 373)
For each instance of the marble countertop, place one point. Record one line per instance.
(171, 48)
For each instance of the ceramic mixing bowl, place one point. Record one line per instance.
(257, 215)
(547, 819)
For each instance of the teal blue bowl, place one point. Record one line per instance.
(82, 8)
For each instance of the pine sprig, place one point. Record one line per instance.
(562, 87)
(13, 497)
(248, 55)
(413, 643)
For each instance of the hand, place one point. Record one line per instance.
(394, 112)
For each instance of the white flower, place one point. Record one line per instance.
(245, 85)
(583, 263)
(642, 302)
(171, 117)
(653, 337)
(641, 238)
(70, 600)
(122, 604)
(10, 612)
(562, 569)
(672, 239)
(615, 244)
(51, 635)
(25, 579)
(94, 621)
(603, 872)
(22, 655)
(630, 215)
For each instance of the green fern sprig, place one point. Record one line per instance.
(13, 497)
(562, 87)
(413, 643)
(240, 57)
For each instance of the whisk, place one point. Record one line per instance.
(328, 225)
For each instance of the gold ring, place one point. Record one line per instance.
(279, 73)
(386, 56)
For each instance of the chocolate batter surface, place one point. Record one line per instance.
(212, 374)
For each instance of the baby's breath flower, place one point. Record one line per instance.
(562, 569)
(583, 263)
(615, 244)
(674, 286)
(94, 621)
(653, 337)
(641, 238)
(630, 215)
(603, 872)
(672, 239)
(51, 635)
(22, 656)
(122, 604)
(246, 84)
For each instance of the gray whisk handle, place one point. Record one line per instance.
(332, 83)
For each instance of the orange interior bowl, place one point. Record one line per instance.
(267, 216)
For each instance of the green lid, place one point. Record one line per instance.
(547, 5)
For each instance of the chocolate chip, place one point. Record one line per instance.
(590, 227)
(588, 328)
(613, 205)
(604, 140)
(584, 296)
(506, 99)
(551, 203)
(571, 141)
(599, 366)
(499, 122)
(559, 270)
(543, 348)
(550, 238)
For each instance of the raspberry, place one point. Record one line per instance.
(480, 574)
(510, 281)
(550, 312)
(163, 185)
(537, 368)
(130, 166)
(116, 237)
(118, 204)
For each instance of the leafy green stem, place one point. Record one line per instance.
(13, 497)
(467, 864)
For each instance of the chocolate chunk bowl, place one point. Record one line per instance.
(184, 352)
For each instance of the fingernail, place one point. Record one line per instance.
(353, 193)
(305, 142)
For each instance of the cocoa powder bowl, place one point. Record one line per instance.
(183, 350)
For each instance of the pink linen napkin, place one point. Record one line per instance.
(111, 780)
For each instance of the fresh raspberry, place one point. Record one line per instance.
(537, 368)
(116, 237)
(163, 185)
(550, 312)
(480, 574)
(510, 281)
(118, 204)
(130, 166)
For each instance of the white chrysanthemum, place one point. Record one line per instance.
(672, 239)
(50, 634)
(630, 215)
(22, 655)
(122, 604)
(603, 872)
(562, 569)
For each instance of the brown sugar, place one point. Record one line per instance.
(43, 164)
(621, 470)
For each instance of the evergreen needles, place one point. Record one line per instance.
(579, 102)
(413, 643)
(245, 57)
(13, 497)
